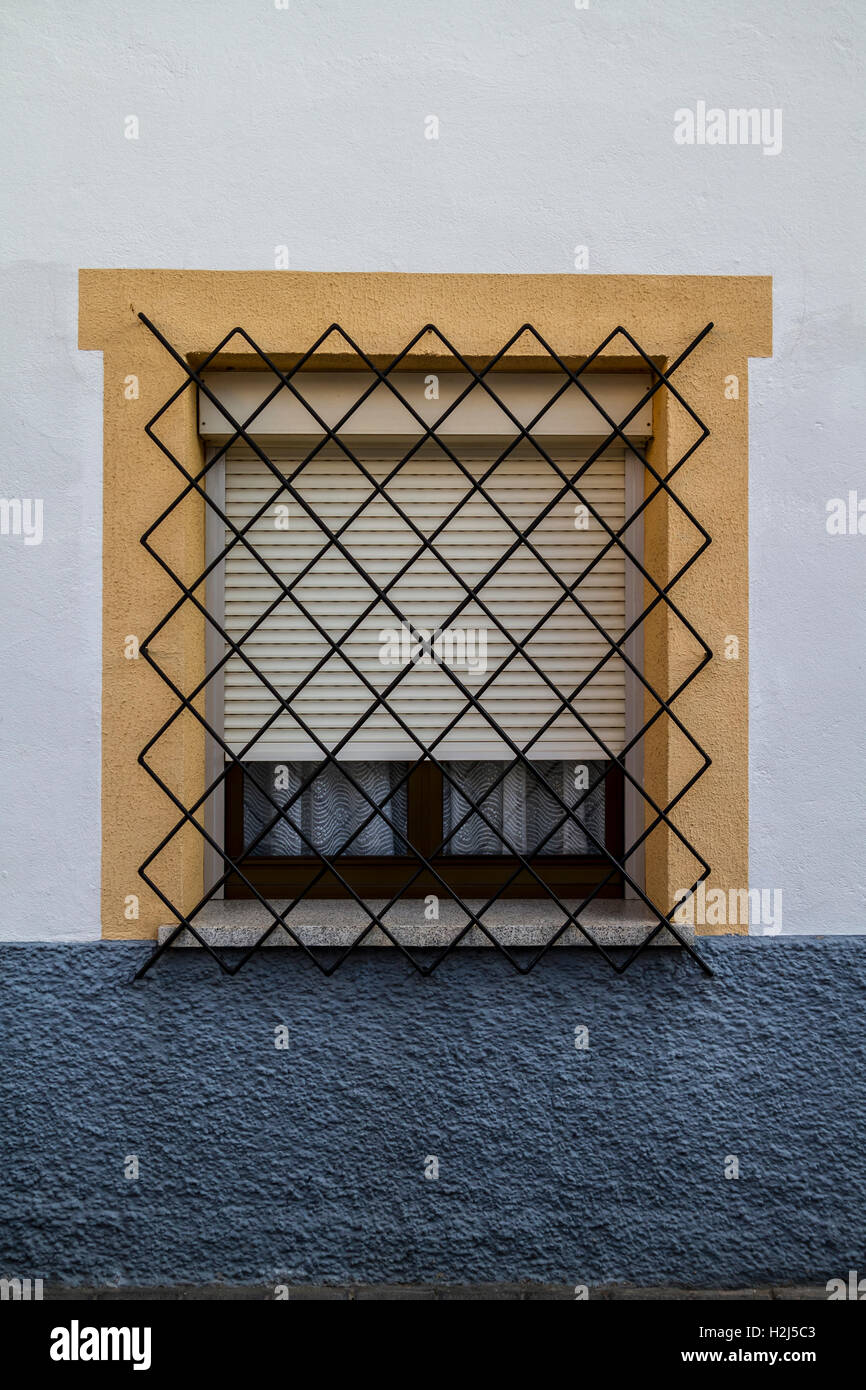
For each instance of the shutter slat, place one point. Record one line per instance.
(285, 646)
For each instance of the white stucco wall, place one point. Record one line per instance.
(305, 127)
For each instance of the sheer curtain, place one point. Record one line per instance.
(328, 811)
(522, 808)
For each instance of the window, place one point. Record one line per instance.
(445, 601)
(163, 766)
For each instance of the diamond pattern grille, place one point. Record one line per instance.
(335, 541)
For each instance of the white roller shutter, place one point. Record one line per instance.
(286, 645)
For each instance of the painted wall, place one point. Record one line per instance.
(307, 1164)
(304, 127)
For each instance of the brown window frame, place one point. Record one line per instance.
(470, 875)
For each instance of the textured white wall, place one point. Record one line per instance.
(305, 127)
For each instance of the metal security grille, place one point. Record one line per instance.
(470, 537)
(522, 534)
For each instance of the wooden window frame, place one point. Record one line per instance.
(468, 875)
(378, 875)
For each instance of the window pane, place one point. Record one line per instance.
(522, 808)
(328, 811)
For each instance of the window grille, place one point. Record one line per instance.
(428, 745)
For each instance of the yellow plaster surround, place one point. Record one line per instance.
(285, 312)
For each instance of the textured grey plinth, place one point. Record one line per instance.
(333, 922)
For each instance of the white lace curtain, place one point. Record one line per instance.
(521, 807)
(328, 811)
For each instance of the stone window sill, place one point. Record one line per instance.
(337, 922)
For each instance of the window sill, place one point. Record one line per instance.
(338, 922)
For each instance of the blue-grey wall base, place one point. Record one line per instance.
(556, 1164)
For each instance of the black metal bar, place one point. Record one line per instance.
(333, 539)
